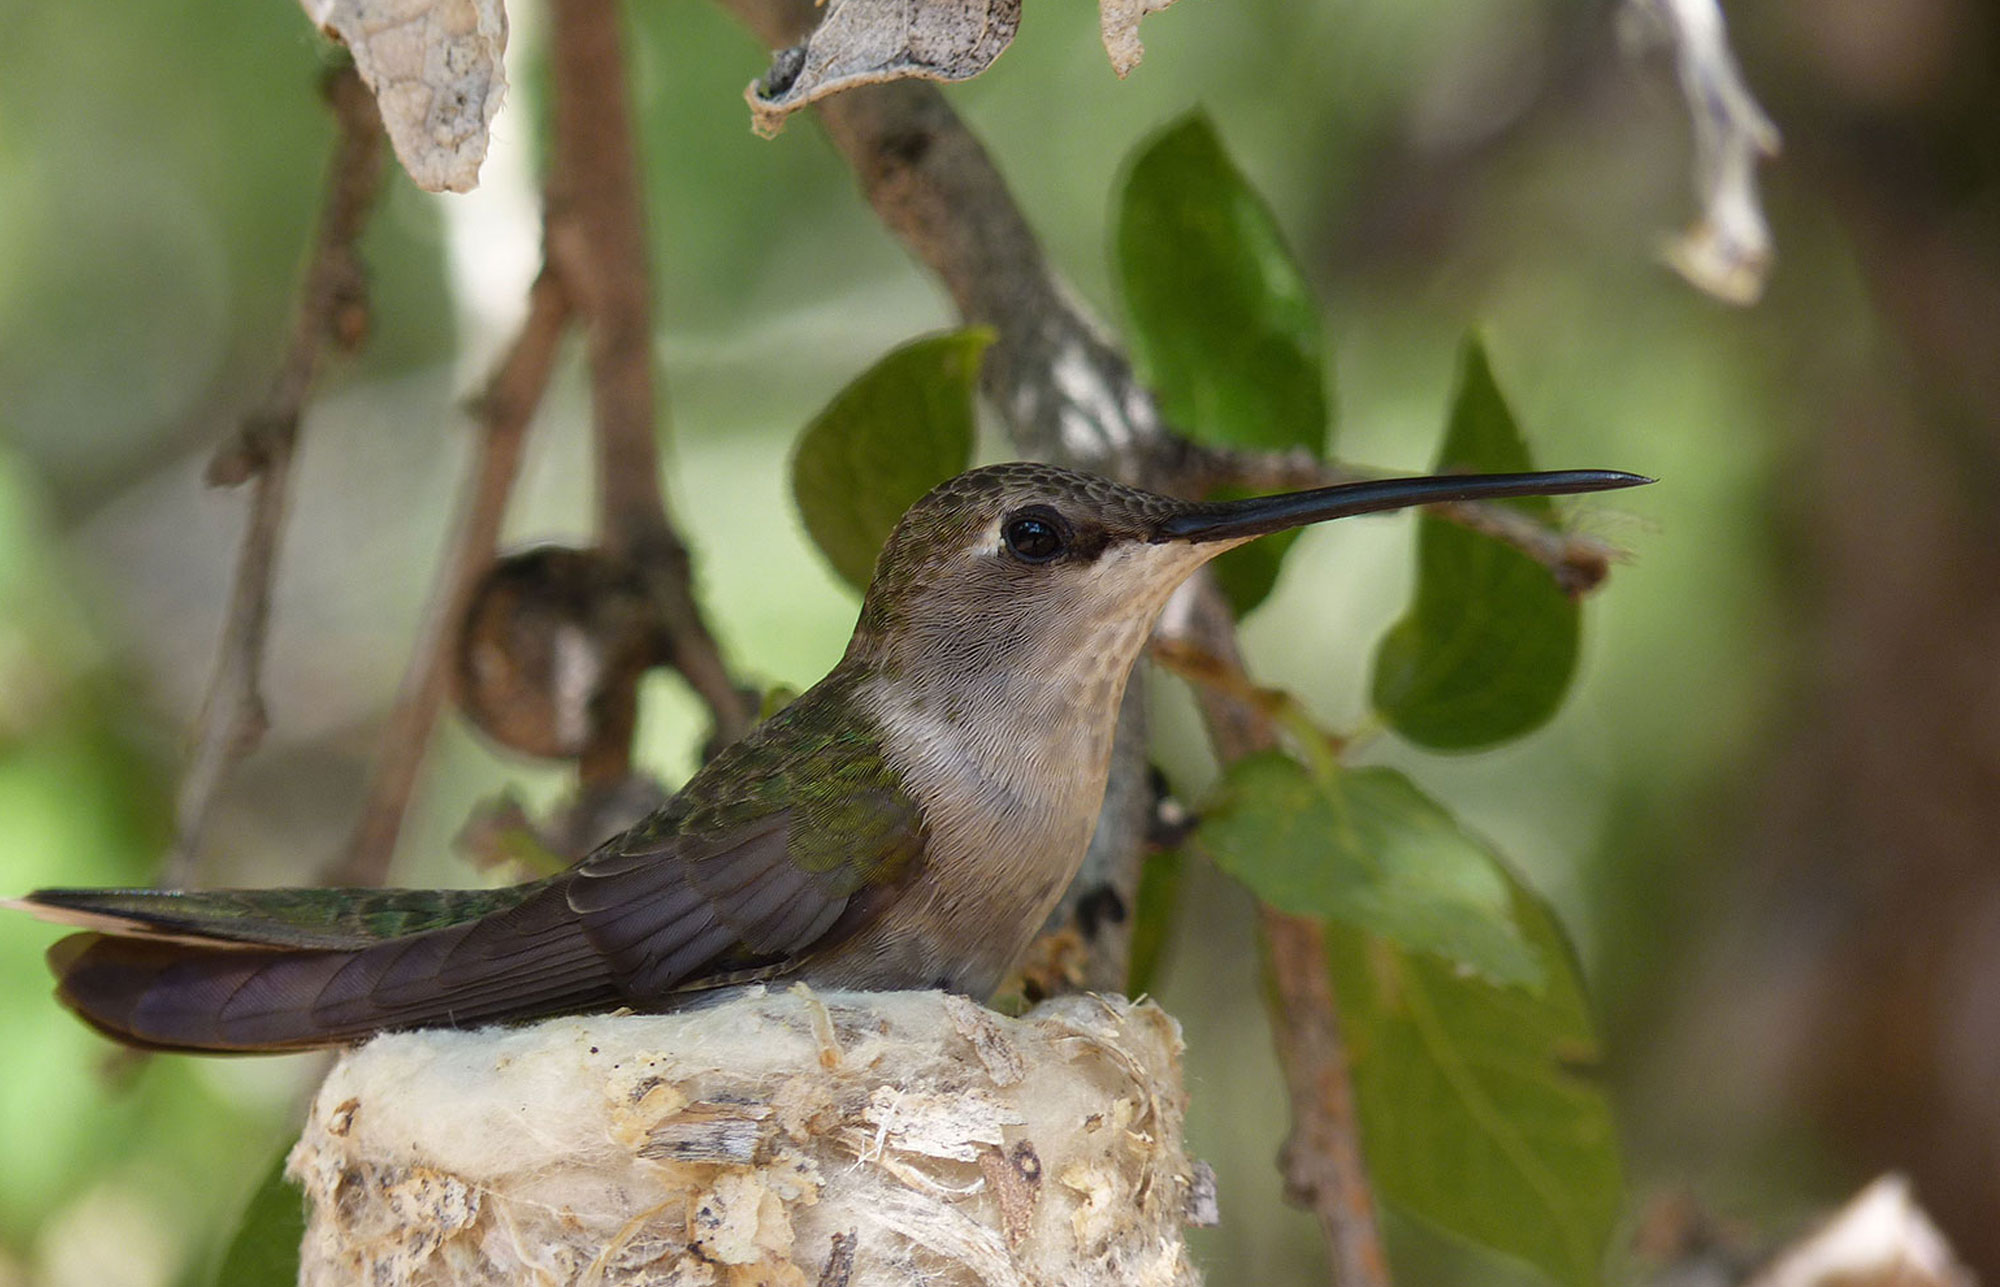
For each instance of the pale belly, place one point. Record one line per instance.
(960, 931)
(1009, 817)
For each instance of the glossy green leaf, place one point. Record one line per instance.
(901, 428)
(264, 1251)
(1487, 649)
(1367, 848)
(1480, 1109)
(1223, 325)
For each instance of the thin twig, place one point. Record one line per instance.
(504, 410)
(597, 241)
(1322, 1164)
(332, 313)
(1197, 665)
(594, 273)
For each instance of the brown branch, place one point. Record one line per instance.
(597, 242)
(1322, 1164)
(332, 313)
(595, 273)
(1197, 665)
(1066, 391)
(504, 410)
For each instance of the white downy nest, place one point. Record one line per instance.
(784, 1138)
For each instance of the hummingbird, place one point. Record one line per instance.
(910, 821)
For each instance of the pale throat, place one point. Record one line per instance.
(1018, 744)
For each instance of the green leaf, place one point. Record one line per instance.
(1223, 325)
(1488, 648)
(1479, 1105)
(1365, 847)
(264, 1251)
(901, 428)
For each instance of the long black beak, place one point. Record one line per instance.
(1260, 515)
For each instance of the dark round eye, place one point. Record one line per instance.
(1033, 540)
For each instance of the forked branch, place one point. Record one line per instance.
(595, 276)
(596, 239)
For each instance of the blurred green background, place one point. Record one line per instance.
(1767, 813)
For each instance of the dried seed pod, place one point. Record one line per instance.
(551, 648)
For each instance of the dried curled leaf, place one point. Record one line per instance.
(1119, 20)
(1727, 252)
(435, 69)
(1881, 1238)
(865, 42)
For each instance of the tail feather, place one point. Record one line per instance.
(172, 994)
(304, 918)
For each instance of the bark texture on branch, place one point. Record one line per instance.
(867, 1140)
(597, 242)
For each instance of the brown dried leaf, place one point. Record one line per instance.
(1015, 1178)
(1119, 20)
(865, 42)
(435, 69)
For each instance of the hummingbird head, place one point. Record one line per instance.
(1026, 569)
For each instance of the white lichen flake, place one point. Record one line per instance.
(435, 68)
(723, 1146)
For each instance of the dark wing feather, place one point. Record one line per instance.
(779, 850)
(183, 996)
(737, 882)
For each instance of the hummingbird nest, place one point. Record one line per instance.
(785, 1138)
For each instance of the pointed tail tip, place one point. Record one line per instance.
(84, 909)
(53, 907)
